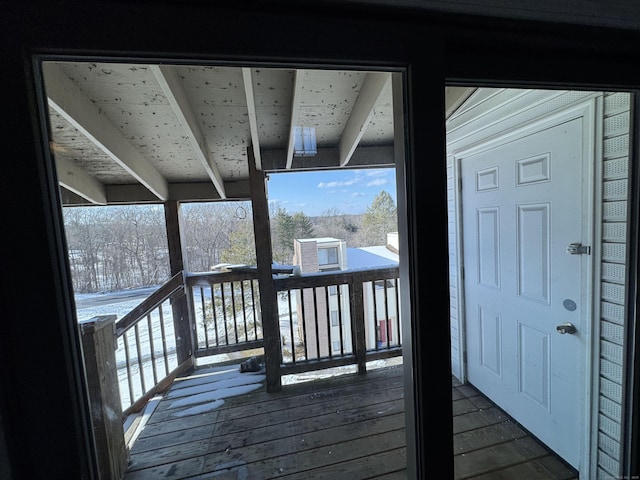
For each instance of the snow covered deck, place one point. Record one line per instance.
(221, 423)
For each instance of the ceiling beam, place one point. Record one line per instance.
(253, 119)
(295, 108)
(181, 192)
(71, 103)
(381, 156)
(373, 88)
(177, 97)
(76, 180)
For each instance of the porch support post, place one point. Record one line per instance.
(268, 293)
(179, 305)
(358, 318)
(99, 351)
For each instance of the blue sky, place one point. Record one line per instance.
(349, 191)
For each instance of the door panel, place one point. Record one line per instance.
(521, 207)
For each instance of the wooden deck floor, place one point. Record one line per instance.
(221, 424)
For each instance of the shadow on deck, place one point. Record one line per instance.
(219, 423)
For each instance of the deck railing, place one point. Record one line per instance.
(226, 311)
(338, 318)
(326, 319)
(146, 353)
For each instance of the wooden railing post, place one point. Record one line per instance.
(99, 351)
(181, 318)
(356, 301)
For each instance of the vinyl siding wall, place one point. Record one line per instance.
(615, 178)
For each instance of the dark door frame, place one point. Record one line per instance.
(432, 48)
(131, 33)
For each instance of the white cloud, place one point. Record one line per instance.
(377, 182)
(376, 173)
(341, 183)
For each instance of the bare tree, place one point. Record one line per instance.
(208, 228)
(334, 223)
(116, 247)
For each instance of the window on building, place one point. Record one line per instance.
(336, 346)
(333, 289)
(334, 318)
(327, 256)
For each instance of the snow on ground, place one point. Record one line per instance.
(117, 303)
(229, 380)
(120, 309)
(206, 392)
(220, 390)
(203, 408)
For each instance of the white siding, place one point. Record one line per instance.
(615, 172)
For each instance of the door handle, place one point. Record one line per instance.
(566, 328)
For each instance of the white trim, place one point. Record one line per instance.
(592, 216)
(488, 112)
(519, 110)
(592, 385)
(527, 127)
(457, 221)
(588, 108)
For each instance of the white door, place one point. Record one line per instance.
(522, 205)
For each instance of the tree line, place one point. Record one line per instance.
(125, 246)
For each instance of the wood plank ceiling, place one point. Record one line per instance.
(136, 133)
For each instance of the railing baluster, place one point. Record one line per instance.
(244, 311)
(386, 312)
(233, 309)
(255, 313)
(214, 310)
(376, 325)
(164, 341)
(315, 321)
(293, 343)
(152, 350)
(203, 308)
(139, 352)
(224, 313)
(340, 324)
(398, 326)
(328, 317)
(304, 323)
(127, 357)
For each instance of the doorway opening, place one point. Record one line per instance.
(152, 143)
(538, 207)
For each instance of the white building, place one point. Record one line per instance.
(327, 325)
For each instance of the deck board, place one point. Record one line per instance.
(215, 425)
